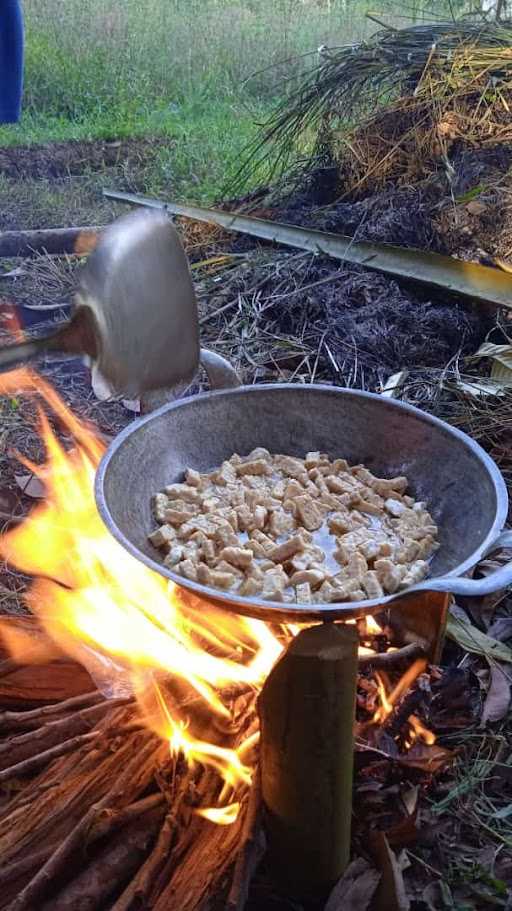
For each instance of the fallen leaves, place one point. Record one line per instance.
(471, 639)
(356, 888)
(501, 356)
(391, 894)
(497, 702)
(429, 758)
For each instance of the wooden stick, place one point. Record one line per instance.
(55, 241)
(251, 851)
(35, 762)
(36, 717)
(137, 891)
(307, 709)
(110, 869)
(26, 865)
(109, 820)
(391, 659)
(135, 776)
(16, 749)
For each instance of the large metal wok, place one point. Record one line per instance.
(463, 487)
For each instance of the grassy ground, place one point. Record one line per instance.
(199, 72)
(198, 75)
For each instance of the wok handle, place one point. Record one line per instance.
(471, 588)
(221, 374)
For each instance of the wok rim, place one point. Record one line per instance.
(276, 610)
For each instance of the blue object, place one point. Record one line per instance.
(11, 60)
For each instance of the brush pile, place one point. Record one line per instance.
(405, 139)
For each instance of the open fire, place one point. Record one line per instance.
(187, 662)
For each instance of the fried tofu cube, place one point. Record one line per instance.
(336, 484)
(371, 585)
(280, 522)
(178, 517)
(293, 489)
(339, 523)
(215, 578)
(250, 587)
(278, 489)
(187, 569)
(162, 537)
(274, 582)
(357, 566)
(287, 549)
(340, 466)
(260, 517)
(292, 467)
(174, 556)
(308, 513)
(221, 579)
(426, 547)
(160, 504)
(208, 550)
(183, 492)
(255, 467)
(395, 508)
(259, 453)
(225, 475)
(245, 518)
(415, 573)
(313, 577)
(224, 536)
(237, 556)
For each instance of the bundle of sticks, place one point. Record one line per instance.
(96, 812)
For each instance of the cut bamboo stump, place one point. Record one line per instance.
(307, 710)
(54, 241)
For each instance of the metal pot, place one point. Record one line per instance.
(462, 486)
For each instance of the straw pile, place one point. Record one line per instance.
(432, 85)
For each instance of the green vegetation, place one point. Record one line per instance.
(178, 68)
(201, 72)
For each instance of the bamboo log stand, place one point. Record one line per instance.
(306, 710)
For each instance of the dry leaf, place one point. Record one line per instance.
(479, 388)
(132, 405)
(501, 629)
(471, 639)
(497, 701)
(391, 894)
(30, 486)
(356, 888)
(394, 384)
(404, 832)
(426, 757)
(501, 355)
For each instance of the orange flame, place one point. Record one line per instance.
(128, 625)
(388, 700)
(123, 621)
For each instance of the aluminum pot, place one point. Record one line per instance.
(463, 488)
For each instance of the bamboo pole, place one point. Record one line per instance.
(55, 241)
(307, 709)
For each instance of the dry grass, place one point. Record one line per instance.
(430, 85)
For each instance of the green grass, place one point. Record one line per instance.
(201, 73)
